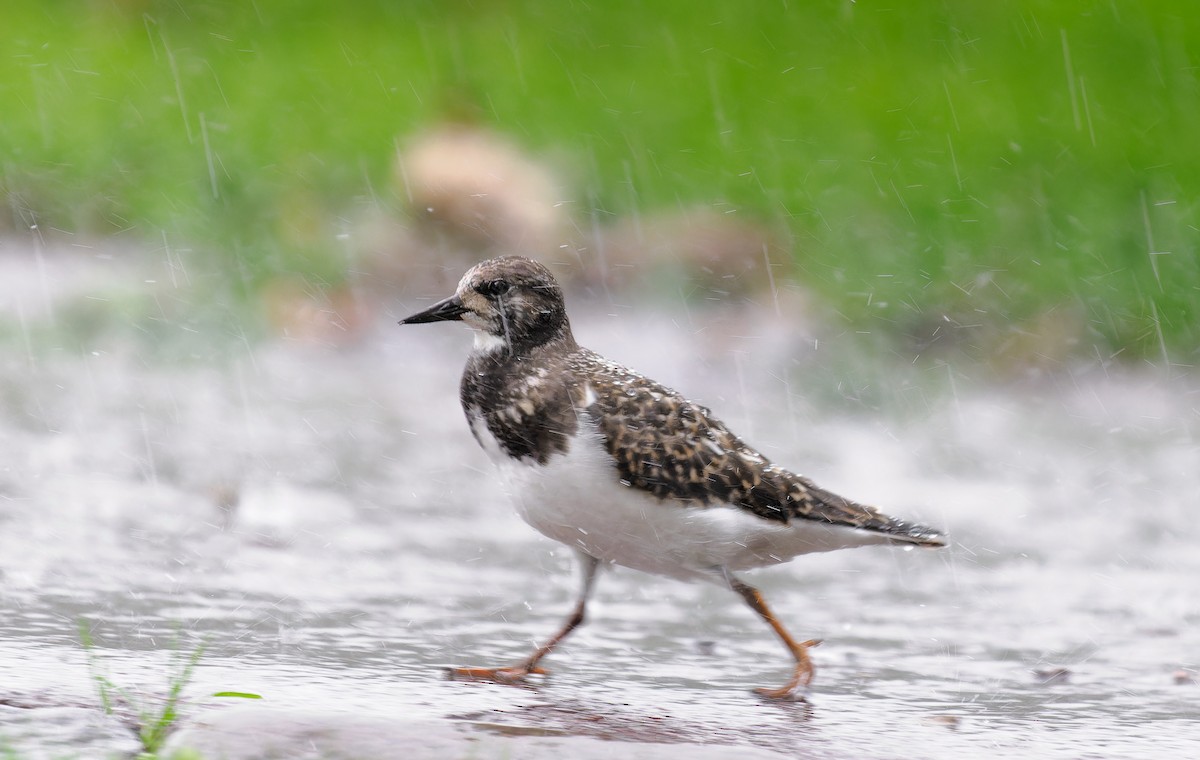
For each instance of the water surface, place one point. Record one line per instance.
(321, 519)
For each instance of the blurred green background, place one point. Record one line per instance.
(1017, 165)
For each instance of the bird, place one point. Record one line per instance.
(628, 472)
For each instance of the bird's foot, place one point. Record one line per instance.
(789, 692)
(515, 675)
(797, 686)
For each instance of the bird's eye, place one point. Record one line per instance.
(493, 288)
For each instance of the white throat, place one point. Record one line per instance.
(486, 343)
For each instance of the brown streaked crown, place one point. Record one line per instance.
(515, 299)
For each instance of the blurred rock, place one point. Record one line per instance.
(469, 194)
(951, 722)
(705, 252)
(472, 194)
(1052, 676)
(298, 311)
(226, 497)
(940, 333)
(481, 192)
(1045, 341)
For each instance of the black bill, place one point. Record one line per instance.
(442, 311)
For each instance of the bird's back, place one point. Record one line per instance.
(676, 450)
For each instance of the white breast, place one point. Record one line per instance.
(578, 499)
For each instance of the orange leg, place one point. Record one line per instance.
(516, 674)
(802, 675)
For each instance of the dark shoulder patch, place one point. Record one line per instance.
(525, 404)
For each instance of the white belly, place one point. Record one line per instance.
(578, 499)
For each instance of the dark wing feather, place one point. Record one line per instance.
(675, 449)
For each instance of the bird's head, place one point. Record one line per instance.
(513, 302)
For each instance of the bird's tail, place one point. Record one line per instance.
(912, 534)
(829, 506)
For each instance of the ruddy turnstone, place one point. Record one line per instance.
(626, 471)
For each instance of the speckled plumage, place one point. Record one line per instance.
(677, 450)
(626, 470)
(531, 399)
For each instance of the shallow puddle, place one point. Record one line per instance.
(321, 520)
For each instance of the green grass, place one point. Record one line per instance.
(155, 722)
(152, 721)
(990, 162)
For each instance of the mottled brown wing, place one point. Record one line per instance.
(675, 449)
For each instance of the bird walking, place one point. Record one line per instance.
(626, 471)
